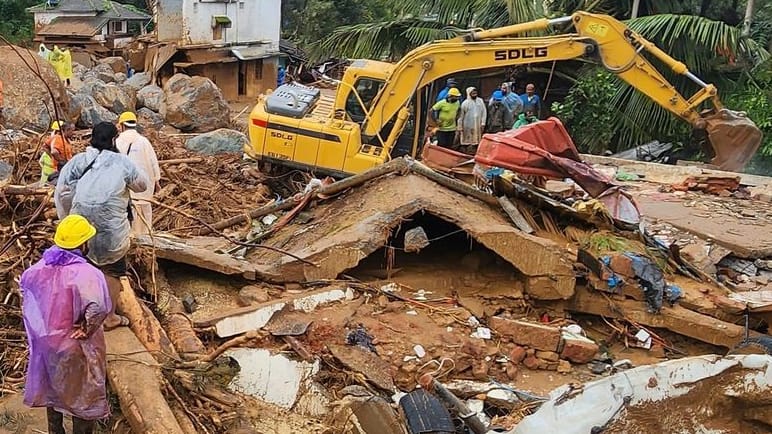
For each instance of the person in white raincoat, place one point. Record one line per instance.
(472, 118)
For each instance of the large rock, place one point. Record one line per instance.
(104, 72)
(219, 141)
(79, 70)
(139, 80)
(120, 77)
(152, 97)
(27, 102)
(148, 119)
(195, 104)
(117, 64)
(116, 98)
(91, 113)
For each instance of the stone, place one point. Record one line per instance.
(564, 366)
(148, 119)
(531, 362)
(152, 97)
(549, 366)
(104, 73)
(480, 369)
(138, 80)
(475, 348)
(189, 303)
(195, 104)
(218, 142)
(116, 64)
(517, 354)
(577, 348)
(27, 102)
(549, 356)
(533, 335)
(6, 171)
(91, 113)
(78, 70)
(120, 78)
(116, 98)
(622, 264)
(252, 294)
(512, 371)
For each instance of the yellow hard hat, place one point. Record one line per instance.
(127, 117)
(454, 92)
(56, 125)
(73, 231)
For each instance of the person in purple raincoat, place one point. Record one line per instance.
(65, 301)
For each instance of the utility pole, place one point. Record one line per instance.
(636, 5)
(748, 18)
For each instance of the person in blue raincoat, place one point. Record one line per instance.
(511, 102)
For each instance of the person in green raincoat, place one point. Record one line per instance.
(524, 119)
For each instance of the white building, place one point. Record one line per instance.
(233, 42)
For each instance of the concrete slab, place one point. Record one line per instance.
(347, 230)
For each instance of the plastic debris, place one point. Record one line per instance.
(481, 333)
(391, 287)
(473, 321)
(419, 351)
(673, 293)
(652, 280)
(361, 338)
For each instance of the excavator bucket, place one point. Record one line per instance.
(734, 139)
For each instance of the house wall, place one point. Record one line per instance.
(251, 21)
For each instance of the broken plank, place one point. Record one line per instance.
(514, 213)
(135, 377)
(366, 363)
(244, 319)
(177, 250)
(677, 319)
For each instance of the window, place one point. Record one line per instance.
(217, 32)
(118, 27)
(367, 89)
(219, 24)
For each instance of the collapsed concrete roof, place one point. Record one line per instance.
(344, 231)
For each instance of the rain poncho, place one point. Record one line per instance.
(101, 195)
(139, 150)
(512, 103)
(523, 120)
(47, 166)
(472, 119)
(60, 292)
(496, 114)
(62, 62)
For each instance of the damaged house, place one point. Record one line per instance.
(233, 43)
(94, 25)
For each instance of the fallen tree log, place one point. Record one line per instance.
(144, 324)
(135, 377)
(393, 166)
(677, 319)
(25, 190)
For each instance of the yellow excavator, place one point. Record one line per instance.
(369, 120)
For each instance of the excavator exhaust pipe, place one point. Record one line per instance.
(733, 137)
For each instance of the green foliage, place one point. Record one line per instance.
(755, 98)
(587, 110)
(16, 24)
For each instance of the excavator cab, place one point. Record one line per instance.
(732, 137)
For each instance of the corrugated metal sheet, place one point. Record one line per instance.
(73, 26)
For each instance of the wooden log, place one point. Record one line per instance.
(515, 215)
(452, 183)
(181, 161)
(135, 377)
(393, 166)
(183, 419)
(144, 324)
(25, 190)
(677, 319)
(177, 324)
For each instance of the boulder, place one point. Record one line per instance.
(120, 77)
(104, 73)
(6, 172)
(91, 113)
(79, 70)
(152, 97)
(219, 141)
(139, 80)
(148, 119)
(116, 98)
(195, 104)
(27, 102)
(116, 64)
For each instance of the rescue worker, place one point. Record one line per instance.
(496, 114)
(445, 114)
(139, 150)
(531, 101)
(512, 103)
(525, 119)
(96, 185)
(65, 301)
(58, 150)
(450, 83)
(471, 119)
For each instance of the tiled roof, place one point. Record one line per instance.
(103, 8)
(73, 26)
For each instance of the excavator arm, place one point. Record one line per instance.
(733, 137)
